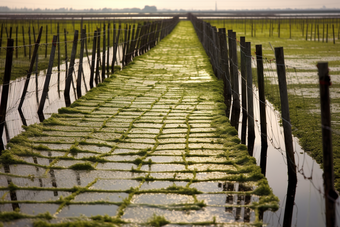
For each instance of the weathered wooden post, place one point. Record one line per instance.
(47, 80)
(23, 41)
(98, 58)
(58, 43)
(251, 130)
(16, 42)
(225, 65)
(103, 54)
(333, 34)
(93, 59)
(66, 65)
(81, 56)
(235, 112)
(108, 51)
(46, 41)
(262, 104)
(70, 71)
(328, 174)
(326, 33)
(2, 27)
(281, 72)
(5, 89)
(22, 99)
(292, 178)
(243, 90)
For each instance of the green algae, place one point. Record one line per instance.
(82, 166)
(15, 215)
(157, 221)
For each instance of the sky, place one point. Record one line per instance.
(174, 4)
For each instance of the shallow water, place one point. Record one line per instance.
(309, 207)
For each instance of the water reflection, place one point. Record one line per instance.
(12, 192)
(238, 199)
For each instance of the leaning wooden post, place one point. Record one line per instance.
(250, 109)
(47, 80)
(81, 56)
(98, 58)
(70, 71)
(244, 90)
(5, 89)
(328, 174)
(281, 73)
(292, 178)
(103, 54)
(22, 99)
(262, 104)
(58, 67)
(235, 112)
(93, 59)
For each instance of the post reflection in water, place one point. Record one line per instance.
(53, 179)
(12, 193)
(239, 200)
(290, 201)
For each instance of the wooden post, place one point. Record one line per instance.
(250, 109)
(290, 28)
(36, 73)
(326, 33)
(5, 89)
(81, 56)
(47, 80)
(279, 29)
(262, 104)
(98, 58)
(66, 69)
(23, 41)
(333, 34)
(16, 42)
(35, 52)
(114, 48)
(70, 72)
(306, 31)
(281, 73)
(46, 41)
(323, 31)
(244, 90)
(328, 174)
(225, 66)
(93, 59)
(58, 43)
(104, 50)
(235, 112)
(124, 45)
(2, 27)
(108, 51)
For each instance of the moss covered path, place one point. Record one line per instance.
(151, 145)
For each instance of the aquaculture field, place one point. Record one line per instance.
(25, 33)
(151, 145)
(305, 42)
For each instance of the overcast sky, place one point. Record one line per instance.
(173, 4)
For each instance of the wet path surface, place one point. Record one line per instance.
(149, 145)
